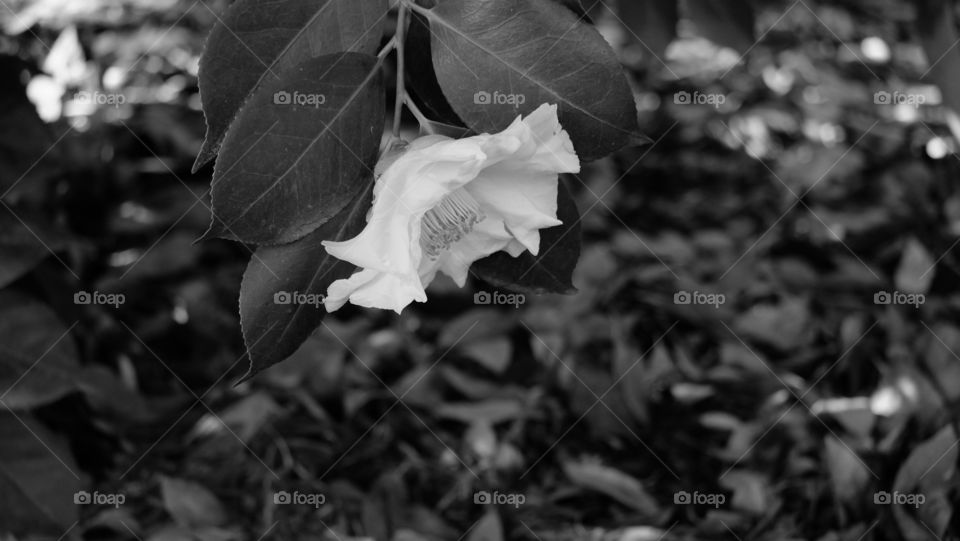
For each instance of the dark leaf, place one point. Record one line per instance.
(488, 528)
(614, 483)
(24, 242)
(38, 479)
(256, 42)
(724, 22)
(191, 505)
(497, 60)
(26, 143)
(273, 331)
(577, 7)
(549, 272)
(38, 359)
(421, 78)
(653, 23)
(928, 472)
(937, 30)
(286, 167)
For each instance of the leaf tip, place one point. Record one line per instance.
(207, 153)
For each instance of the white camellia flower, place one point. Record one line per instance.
(444, 203)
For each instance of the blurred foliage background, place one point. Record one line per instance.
(804, 164)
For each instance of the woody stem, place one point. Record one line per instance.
(400, 37)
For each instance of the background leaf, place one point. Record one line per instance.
(271, 331)
(929, 470)
(26, 143)
(191, 505)
(286, 168)
(652, 23)
(614, 483)
(488, 528)
(38, 359)
(549, 272)
(724, 22)
(937, 29)
(38, 478)
(539, 54)
(256, 42)
(25, 241)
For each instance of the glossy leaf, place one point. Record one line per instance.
(497, 60)
(256, 42)
(272, 329)
(300, 151)
(549, 272)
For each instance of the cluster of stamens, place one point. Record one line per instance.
(453, 218)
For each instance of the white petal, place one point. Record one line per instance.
(515, 248)
(374, 289)
(414, 184)
(525, 200)
(555, 149)
(487, 237)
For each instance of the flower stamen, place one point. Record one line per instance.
(448, 222)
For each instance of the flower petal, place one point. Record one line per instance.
(374, 289)
(555, 150)
(526, 201)
(487, 237)
(522, 189)
(415, 183)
